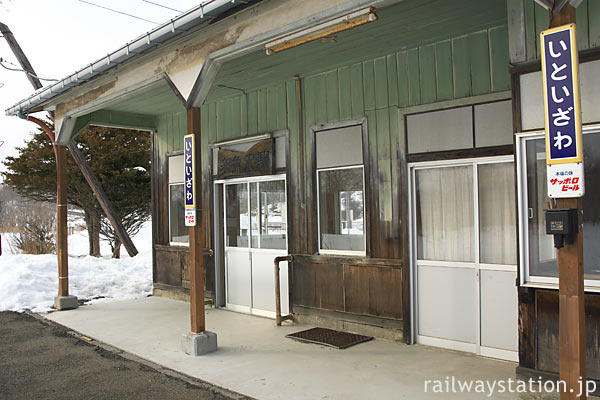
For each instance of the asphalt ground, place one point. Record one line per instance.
(43, 360)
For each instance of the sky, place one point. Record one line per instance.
(61, 36)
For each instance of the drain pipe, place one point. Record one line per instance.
(63, 300)
(278, 317)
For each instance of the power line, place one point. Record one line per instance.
(3, 61)
(163, 6)
(118, 12)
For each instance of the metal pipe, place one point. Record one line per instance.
(157, 36)
(278, 317)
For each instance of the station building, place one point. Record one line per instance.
(394, 148)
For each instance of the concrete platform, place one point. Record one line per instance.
(255, 359)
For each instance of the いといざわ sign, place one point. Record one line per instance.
(189, 185)
(564, 146)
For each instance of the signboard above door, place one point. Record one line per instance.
(234, 162)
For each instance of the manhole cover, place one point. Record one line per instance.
(329, 337)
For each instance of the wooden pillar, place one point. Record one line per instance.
(571, 296)
(61, 220)
(196, 266)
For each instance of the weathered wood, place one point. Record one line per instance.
(571, 334)
(62, 250)
(527, 330)
(196, 269)
(335, 259)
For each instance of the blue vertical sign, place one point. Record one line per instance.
(564, 147)
(561, 95)
(189, 184)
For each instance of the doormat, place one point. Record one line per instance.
(329, 337)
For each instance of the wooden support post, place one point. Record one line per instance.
(197, 232)
(61, 220)
(571, 330)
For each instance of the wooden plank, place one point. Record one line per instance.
(221, 117)
(499, 54)
(271, 109)
(228, 116)
(395, 241)
(369, 85)
(427, 74)
(281, 103)
(252, 113)
(295, 214)
(403, 91)
(443, 70)
(516, 31)
(243, 115)
(357, 90)
(594, 26)
(212, 122)
(381, 83)
(236, 117)
(531, 39)
(462, 69)
(583, 26)
(262, 111)
(384, 175)
(345, 93)
(414, 79)
(480, 63)
(62, 252)
(333, 95)
(320, 99)
(354, 260)
(372, 187)
(373, 291)
(392, 80)
(542, 22)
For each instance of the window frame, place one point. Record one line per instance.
(338, 252)
(525, 278)
(172, 243)
(362, 123)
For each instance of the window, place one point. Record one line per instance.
(538, 253)
(178, 232)
(340, 192)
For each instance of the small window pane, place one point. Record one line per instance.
(178, 232)
(273, 215)
(347, 143)
(236, 215)
(254, 229)
(445, 214)
(542, 255)
(341, 209)
(497, 214)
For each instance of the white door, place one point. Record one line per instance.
(464, 247)
(255, 233)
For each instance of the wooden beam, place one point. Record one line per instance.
(61, 220)
(197, 232)
(571, 295)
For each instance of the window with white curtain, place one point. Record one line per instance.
(445, 213)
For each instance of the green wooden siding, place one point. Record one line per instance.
(537, 19)
(449, 69)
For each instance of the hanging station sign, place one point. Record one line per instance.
(258, 159)
(189, 191)
(564, 146)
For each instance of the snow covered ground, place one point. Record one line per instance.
(30, 282)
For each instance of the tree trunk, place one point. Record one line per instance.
(116, 248)
(92, 221)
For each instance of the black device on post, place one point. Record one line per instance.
(563, 223)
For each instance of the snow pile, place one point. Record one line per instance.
(31, 281)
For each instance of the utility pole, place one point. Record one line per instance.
(571, 336)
